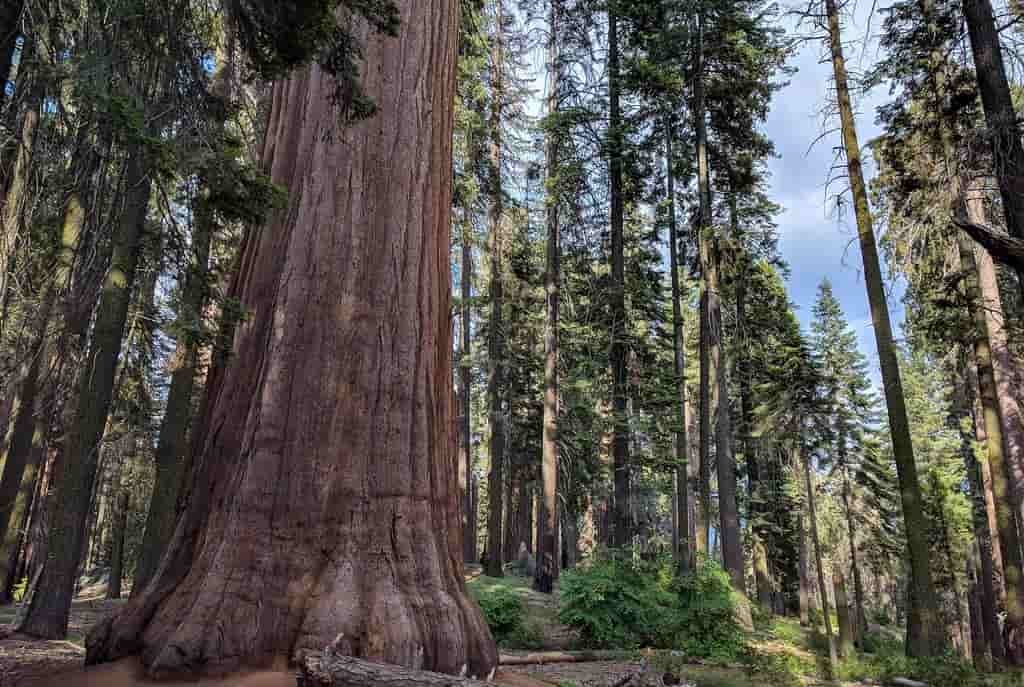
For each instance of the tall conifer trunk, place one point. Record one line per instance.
(48, 611)
(324, 512)
(171, 442)
(860, 619)
(1005, 481)
(469, 547)
(682, 488)
(622, 468)
(983, 552)
(703, 230)
(812, 515)
(547, 540)
(496, 333)
(925, 633)
(1000, 116)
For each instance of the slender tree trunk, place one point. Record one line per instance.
(619, 346)
(812, 515)
(1000, 116)
(120, 524)
(981, 626)
(686, 546)
(324, 507)
(496, 334)
(547, 540)
(764, 585)
(704, 229)
(510, 536)
(860, 617)
(469, 550)
(172, 441)
(802, 573)
(846, 625)
(1003, 476)
(1004, 365)
(47, 616)
(728, 510)
(925, 634)
(984, 493)
(18, 460)
(984, 550)
(45, 356)
(14, 201)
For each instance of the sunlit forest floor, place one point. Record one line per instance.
(781, 654)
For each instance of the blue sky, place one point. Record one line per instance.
(814, 240)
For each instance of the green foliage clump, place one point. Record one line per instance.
(948, 670)
(613, 603)
(777, 669)
(502, 608)
(706, 613)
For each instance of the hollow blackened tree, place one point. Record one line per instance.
(324, 512)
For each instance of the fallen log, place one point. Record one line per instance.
(904, 682)
(326, 669)
(543, 657)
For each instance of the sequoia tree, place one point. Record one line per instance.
(325, 509)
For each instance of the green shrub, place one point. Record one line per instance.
(779, 670)
(502, 608)
(949, 670)
(763, 617)
(528, 635)
(881, 617)
(880, 643)
(614, 604)
(706, 615)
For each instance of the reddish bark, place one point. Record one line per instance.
(325, 511)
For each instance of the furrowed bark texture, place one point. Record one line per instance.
(325, 511)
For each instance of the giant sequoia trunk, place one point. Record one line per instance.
(925, 633)
(325, 511)
(620, 429)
